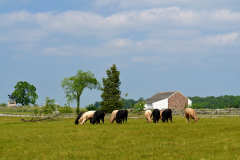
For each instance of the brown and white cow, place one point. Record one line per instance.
(113, 116)
(86, 116)
(148, 115)
(191, 114)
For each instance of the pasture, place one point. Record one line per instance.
(211, 138)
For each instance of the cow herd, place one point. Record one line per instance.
(166, 115)
(96, 116)
(157, 115)
(120, 115)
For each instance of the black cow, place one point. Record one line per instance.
(79, 116)
(167, 114)
(121, 115)
(156, 115)
(98, 115)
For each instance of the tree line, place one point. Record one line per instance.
(211, 102)
(74, 86)
(127, 104)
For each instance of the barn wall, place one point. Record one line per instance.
(148, 106)
(163, 104)
(177, 101)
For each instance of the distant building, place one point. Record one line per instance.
(167, 100)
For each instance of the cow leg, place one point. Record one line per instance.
(103, 120)
(126, 119)
(123, 120)
(186, 119)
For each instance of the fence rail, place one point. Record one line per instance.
(201, 113)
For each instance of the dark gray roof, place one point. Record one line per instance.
(159, 96)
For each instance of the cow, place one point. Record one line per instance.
(86, 116)
(98, 115)
(191, 114)
(156, 115)
(78, 117)
(148, 115)
(167, 114)
(113, 116)
(161, 114)
(121, 115)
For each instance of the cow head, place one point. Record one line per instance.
(196, 120)
(81, 120)
(163, 119)
(76, 121)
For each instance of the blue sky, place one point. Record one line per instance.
(187, 46)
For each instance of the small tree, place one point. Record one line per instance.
(65, 109)
(91, 107)
(50, 106)
(3, 105)
(25, 93)
(139, 106)
(111, 95)
(75, 85)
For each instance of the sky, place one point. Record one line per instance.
(158, 46)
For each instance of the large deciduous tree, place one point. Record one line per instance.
(111, 95)
(25, 93)
(75, 85)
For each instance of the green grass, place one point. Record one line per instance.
(216, 138)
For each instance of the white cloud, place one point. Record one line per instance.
(221, 38)
(86, 23)
(226, 15)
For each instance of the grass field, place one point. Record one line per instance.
(211, 138)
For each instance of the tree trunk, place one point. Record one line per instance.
(78, 104)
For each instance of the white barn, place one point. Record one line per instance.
(167, 100)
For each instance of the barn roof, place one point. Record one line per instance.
(159, 96)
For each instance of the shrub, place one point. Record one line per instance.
(65, 109)
(3, 104)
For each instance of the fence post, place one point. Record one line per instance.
(228, 112)
(69, 115)
(219, 113)
(201, 112)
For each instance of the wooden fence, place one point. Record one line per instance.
(201, 113)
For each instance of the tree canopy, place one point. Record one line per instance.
(111, 95)
(215, 102)
(25, 93)
(74, 86)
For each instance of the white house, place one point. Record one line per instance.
(167, 100)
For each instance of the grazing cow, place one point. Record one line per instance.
(121, 115)
(161, 114)
(191, 114)
(86, 116)
(78, 117)
(156, 115)
(97, 116)
(148, 115)
(113, 116)
(167, 114)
